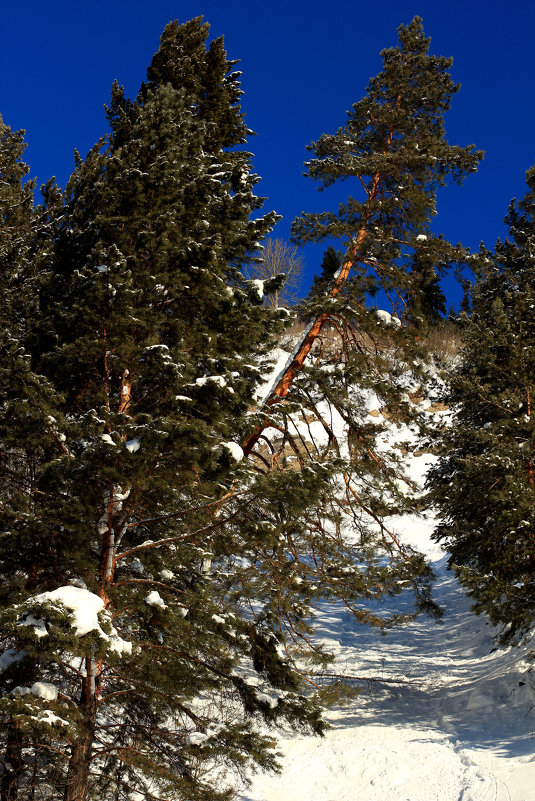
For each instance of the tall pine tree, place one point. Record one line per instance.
(485, 484)
(393, 149)
(394, 153)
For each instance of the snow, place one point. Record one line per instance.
(83, 605)
(133, 445)
(107, 439)
(383, 316)
(421, 238)
(454, 724)
(259, 286)
(155, 599)
(84, 608)
(39, 627)
(443, 715)
(386, 318)
(197, 738)
(167, 574)
(48, 717)
(372, 402)
(118, 645)
(220, 380)
(235, 450)
(44, 690)
(270, 380)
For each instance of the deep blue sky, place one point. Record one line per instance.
(304, 64)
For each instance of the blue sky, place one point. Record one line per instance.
(304, 65)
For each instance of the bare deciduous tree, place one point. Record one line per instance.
(279, 257)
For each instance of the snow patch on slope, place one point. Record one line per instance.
(443, 715)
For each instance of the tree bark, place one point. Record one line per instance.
(9, 785)
(310, 335)
(284, 383)
(80, 760)
(78, 772)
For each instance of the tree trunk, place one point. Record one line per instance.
(280, 389)
(9, 785)
(78, 773)
(80, 760)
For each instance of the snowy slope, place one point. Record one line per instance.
(443, 716)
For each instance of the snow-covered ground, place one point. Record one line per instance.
(443, 715)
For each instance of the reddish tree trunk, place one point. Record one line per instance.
(78, 773)
(285, 382)
(311, 334)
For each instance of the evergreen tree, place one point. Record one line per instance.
(484, 485)
(393, 148)
(28, 434)
(16, 210)
(131, 572)
(426, 304)
(330, 264)
(162, 591)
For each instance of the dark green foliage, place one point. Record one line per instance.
(134, 352)
(27, 402)
(330, 264)
(393, 150)
(426, 305)
(393, 154)
(16, 217)
(485, 483)
(146, 348)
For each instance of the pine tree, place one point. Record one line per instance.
(484, 485)
(393, 149)
(131, 599)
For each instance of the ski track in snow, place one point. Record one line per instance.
(455, 721)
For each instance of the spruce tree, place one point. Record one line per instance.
(131, 599)
(484, 485)
(16, 210)
(330, 264)
(28, 432)
(426, 304)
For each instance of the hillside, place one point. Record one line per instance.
(443, 715)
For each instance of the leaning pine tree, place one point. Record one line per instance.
(485, 484)
(393, 149)
(133, 662)
(394, 152)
